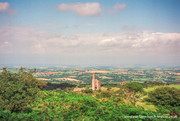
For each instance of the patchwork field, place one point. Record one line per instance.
(68, 79)
(97, 71)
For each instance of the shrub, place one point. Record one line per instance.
(17, 90)
(165, 96)
(104, 94)
(87, 91)
(134, 86)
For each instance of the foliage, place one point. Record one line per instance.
(62, 86)
(87, 91)
(150, 84)
(167, 109)
(154, 87)
(165, 96)
(135, 86)
(17, 90)
(41, 84)
(102, 94)
(63, 106)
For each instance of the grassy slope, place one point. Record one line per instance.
(63, 106)
(148, 106)
(152, 88)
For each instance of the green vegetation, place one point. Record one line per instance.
(61, 106)
(17, 90)
(134, 86)
(25, 98)
(165, 96)
(155, 87)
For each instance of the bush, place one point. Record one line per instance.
(62, 106)
(165, 96)
(134, 86)
(87, 91)
(17, 90)
(104, 94)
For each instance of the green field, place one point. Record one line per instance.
(152, 88)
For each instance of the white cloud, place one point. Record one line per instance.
(108, 42)
(126, 46)
(4, 45)
(82, 9)
(117, 7)
(30, 40)
(5, 8)
(38, 48)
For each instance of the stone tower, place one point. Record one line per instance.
(96, 85)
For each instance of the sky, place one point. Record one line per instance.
(90, 32)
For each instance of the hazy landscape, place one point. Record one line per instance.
(65, 93)
(89, 60)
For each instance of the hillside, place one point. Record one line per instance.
(52, 101)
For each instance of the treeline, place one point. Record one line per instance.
(62, 86)
(17, 90)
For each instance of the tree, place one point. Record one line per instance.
(134, 86)
(165, 96)
(17, 90)
(131, 89)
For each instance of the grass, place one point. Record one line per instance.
(146, 106)
(152, 88)
(177, 77)
(103, 89)
(115, 88)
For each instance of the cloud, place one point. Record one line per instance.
(124, 47)
(117, 7)
(38, 48)
(3, 47)
(5, 8)
(82, 9)
(128, 27)
(143, 42)
(110, 42)
(32, 41)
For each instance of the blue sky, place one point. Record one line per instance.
(155, 15)
(75, 31)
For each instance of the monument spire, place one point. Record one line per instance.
(93, 76)
(96, 85)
